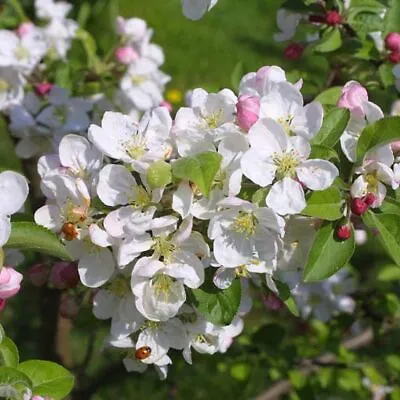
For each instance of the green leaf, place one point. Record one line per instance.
(200, 169)
(89, 44)
(83, 14)
(325, 204)
(285, 295)
(2, 333)
(14, 381)
(327, 255)
(9, 356)
(381, 132)
(330, 96)
(323, 152)
(390, 206)
(388, 273)
(217, 306)
(331, 40)
(159, 174)
(335, 122)
(392, 18)
(29, 236)
(48, 378)
(63, 76)
(386, 75)
(388, 226)
(259, 196)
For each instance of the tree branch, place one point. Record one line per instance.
(285, 386)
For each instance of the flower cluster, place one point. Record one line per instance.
(154, 211)
(41, 112)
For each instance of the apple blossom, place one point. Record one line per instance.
(10, 282)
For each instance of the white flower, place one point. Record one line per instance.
(22, 53)
(195, 9)
(59, 34)
(275, 156)
(260, 83)
(159, 286)
(144, 84)
(13, 193)
(357, 123)
(49, 9)
(210, 118)
(11, 87)
(120, 137)
(133, 30)
(116, 301)
(287, 22)
(240, 229)
(374, 174)
(65, 114)
(284, 104)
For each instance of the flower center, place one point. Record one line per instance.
(242, 272)
(286, 163)
(372, 182)
(4, 86)
(141, 197)
(219, 179)
(245, 223)
(214, 120)
(119, 286)
(60, 113)
(21, 53)
(162, 284)
(163, 248)
(136, 147)
(138, 79)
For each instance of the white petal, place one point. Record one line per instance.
(104, 304)
(182, 199)
(286, 197)
(317, 174)
(14, 191)
(5, 229)
(259, 169)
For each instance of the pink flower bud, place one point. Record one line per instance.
(25, 28)
(343, 232)
(394, 57)
(332, 18)
(247, 109)
(126, 55)
(64, 275)
(396, 147)
(359, 206)
(38, 274)
(69, 306)
(273, 302)
(167, 105)
(10, 282)
(353, 97)
(294, 51)
(392, 41)
(43, 88)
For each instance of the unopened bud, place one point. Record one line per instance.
(392, 41)
(294, 51)
(343, 232)
(126, 55)
(64, 275)
(332, 18)
(247, 108)
(38, 274)
(359, 206)
(43, 88)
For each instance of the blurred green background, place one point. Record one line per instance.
(213, 53)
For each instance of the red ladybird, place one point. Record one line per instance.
(69, 230)
(143, 352)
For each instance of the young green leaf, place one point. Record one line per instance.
(29, 236)
(381, 132)
(330, 96)
(217, 306)
(335, 122)
(327, 255)
(48, 378)
(392, 18)
(388, 226)
(325, 204)
(159, 174)
(331, 40)
(13, 381)
(9, 356)
(200, 169)
(324, 153)
(285, 295)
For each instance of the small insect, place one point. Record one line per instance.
(69, 230)
(143, 352)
